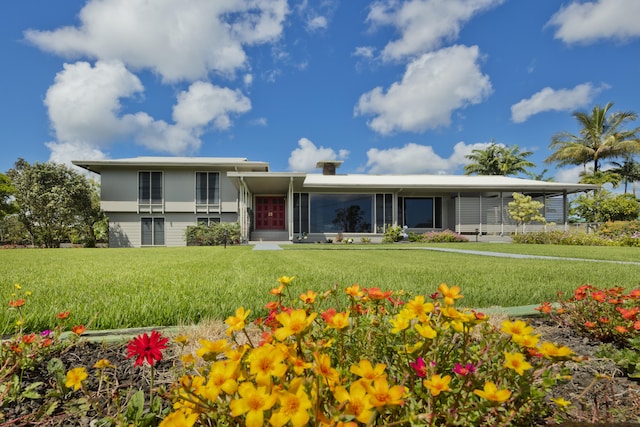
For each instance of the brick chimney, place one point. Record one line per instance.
(329, 166)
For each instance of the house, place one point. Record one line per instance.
(150, 201)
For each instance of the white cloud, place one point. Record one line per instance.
(205, 103)
(84, 111)
(432, 87)
(317, 23)
(571, 175)
(587, 22)
(424, 25)
(364, 51)
(415, 158)
(305, 157)
(549, 99)
(64, 152)
(178, 40)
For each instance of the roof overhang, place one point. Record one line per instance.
(448, 183)
(239, 163)
(268, 182)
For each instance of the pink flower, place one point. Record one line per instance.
(420, 367)
(464, 370)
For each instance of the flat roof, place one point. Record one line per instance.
(153, 161)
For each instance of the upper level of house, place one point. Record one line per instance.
(161, 184)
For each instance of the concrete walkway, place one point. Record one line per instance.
(522, 256)
(266, 246)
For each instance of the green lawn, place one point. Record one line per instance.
(171, 286)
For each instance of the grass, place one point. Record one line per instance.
(118, 288)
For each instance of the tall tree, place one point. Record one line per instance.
(497, 159)
(7, 205)
(602, 136)
(629, 170)
(52, 200)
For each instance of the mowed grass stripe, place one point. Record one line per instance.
(171, 286)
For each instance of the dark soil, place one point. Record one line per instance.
(600, 393)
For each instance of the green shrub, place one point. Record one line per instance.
(563, 238)
(626, 233)
(394, 233)
(214, 234)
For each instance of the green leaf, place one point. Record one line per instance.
(135, 407)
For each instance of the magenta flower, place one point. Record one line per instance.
(464, 370)
(46, 333)
(420, 367)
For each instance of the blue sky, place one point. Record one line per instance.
(387, 86)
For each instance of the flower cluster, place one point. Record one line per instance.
(368, 356)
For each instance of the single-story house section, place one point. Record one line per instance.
(150, 201)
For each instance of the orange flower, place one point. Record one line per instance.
(588, 324)
(28, 339)
(621, 329)
(545, 307)
(354, 291)
(636, 325)
(63, 315)
(277, 291)
(309, 297)
(377, 294)
(79, 330)
(598, 296)
(17, 303)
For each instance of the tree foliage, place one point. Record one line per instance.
(7, 205)
(602, 206)
(54, 200)
(497, 159)
(523, 210)
(602, 136)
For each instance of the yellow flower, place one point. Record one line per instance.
(550, 350)
(222, 378)
(492, 393)
(519, 327)
(561, 402)
(381, 394)
(182, 339)
(237, 322)
(286, 280)
(294, 407)
(180, 418)
(188, 359)
(28, 293)
(75, 377)
(516, 362)
(528, 341)
(400, 323)
(309, 297)
(18, 287)
(450, 294)
(425, 330)
(365, 370)
(293, 323)
(339, 320)
(265, 362)
(420, 308)
(323, 368)
(103, 364)
(253, 402)
(210, 349)
(437, 384)
(354, 291)
(358, 401)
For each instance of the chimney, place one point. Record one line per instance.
(329, 166)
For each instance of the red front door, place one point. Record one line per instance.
(270, 213)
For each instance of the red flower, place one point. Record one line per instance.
(377, 294)
(17, 303)
(63, 315)
(147, 347)
(598, 296)
(28, 339)
(79, 330)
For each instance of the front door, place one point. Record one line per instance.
(270, 213)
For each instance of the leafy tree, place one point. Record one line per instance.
(601, 177)
(602, 137)
(540, 176)
(52, 200)
(497, 159)
(629, 170)
(7, 205)
(523, 210)
(603, 206)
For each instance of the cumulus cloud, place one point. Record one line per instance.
(571, 175)
(176, 39)
(587, 22)
(317, 23)
(84, 111)
(424, 25)
(433, 86)
(415, 158)
(549, 99)
(305, 157)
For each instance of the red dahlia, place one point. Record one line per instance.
(147, 347)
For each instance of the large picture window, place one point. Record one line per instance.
(420, 212)
(152, 231)
(348, 213)
(207, 188)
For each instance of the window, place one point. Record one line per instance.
(208, 221)
(207, 188)
(152, 231)
(384, 211)
(301, 213)
(349, 213)
(150, 188)
(420, 212)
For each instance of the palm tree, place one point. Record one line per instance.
(602, 136)
(629, 170)
(497, 159)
